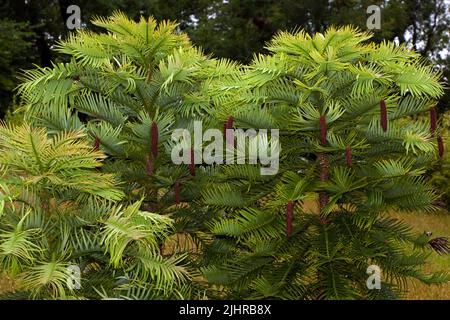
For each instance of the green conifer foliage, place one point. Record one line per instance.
(350, 137)
(125, 91)
(352, 143)
(128, 89)
(62, 233)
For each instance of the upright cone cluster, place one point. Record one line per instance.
(348, 156)
(177, 191)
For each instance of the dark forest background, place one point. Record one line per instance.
(234, 29)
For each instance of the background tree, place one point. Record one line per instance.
(238, 29)
(15, 43)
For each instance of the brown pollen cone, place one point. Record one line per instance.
(192, 163)
(383, 116)
(177, 190)
(149, 165)
(348, 156)
(440, 146)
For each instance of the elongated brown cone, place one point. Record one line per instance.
(230, 122)
(323, 130)
(192, 163)
(228, 135)
(323, 200)
(230, 138)
(154, 139)
(433, 120)
(149, 165)
(383, 116)
(324, 166)
(225, 127)
(440, 146)
(96, 144)
(289, 217)
(177, 191)
(348, 156)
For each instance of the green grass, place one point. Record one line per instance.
(439, 224)
(6, 283)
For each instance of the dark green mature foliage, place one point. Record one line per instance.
(344, 108)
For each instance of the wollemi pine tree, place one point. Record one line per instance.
(353, 141)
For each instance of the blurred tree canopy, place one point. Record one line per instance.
(234, 29)
(15, 51)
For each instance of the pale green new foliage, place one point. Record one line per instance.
(116, 87)
(63, 161)
(128, 226)
(58, 210)
(17, 246)
(47, 278)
